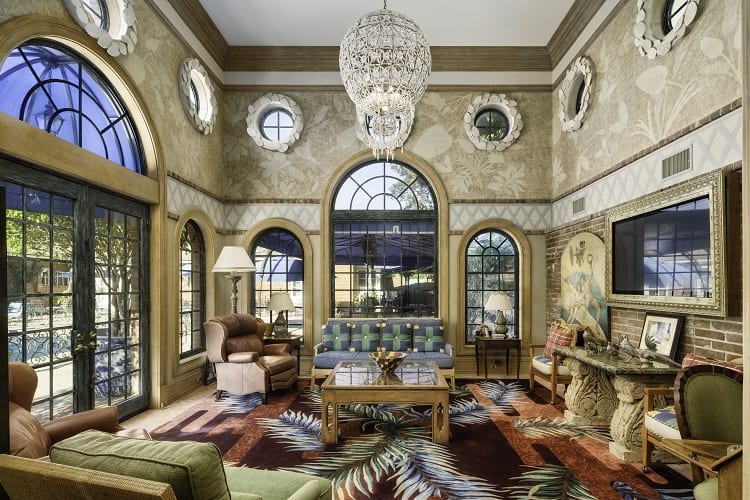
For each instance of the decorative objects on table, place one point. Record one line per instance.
(499, 302)
(582, 279)
(484, 331)
(235, 261)
(385, 62)
(661, 333)
(197, 95)
(281, 302)
(575, 94)
(492, 122)
(388, 361)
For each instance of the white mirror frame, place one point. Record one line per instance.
(580, 72)
(649, 35)
(501, 103)
(257, 110)
(121, 37)
(203, 118)
(360, 126)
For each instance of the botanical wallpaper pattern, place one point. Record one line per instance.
(154, 67)
(438, 136)
(638, 101)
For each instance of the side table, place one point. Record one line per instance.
(486, 343)
(293, 340)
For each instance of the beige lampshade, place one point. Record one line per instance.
(233, 259)
(280, 302)
(498, 302)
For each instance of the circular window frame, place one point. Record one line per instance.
(122, 35)
(363, 133)
(579, 73)
(649, 33)
(501, 103)
(257, 110)
(193, 72)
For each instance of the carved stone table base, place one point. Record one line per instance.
(590, 397)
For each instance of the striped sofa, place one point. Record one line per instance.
(348, 339)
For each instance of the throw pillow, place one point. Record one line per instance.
(429, 336)
(396, 336)
(696, 359)
(365, 335)
(194, 470)
(560, 335)
(336, 335)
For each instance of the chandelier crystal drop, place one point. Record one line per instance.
(385, 62)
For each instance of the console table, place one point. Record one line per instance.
(607, 390)
(487, 343)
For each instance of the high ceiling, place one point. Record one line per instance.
(444, 22)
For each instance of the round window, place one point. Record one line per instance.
(674, 11)
(575, 94)
(197, 95)
(277, 124)
(659, 24)
(492, 124)
(110, 22)
(274, 122)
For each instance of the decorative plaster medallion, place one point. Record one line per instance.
(110, 22)
(257, 110)
(502, 104)
(197, 95)
(367, 135)
(575, 94)
(650, 37)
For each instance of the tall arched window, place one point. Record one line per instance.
(384, 243)
(491, 266)
(279, 267)
(55, 89)
(192, 290)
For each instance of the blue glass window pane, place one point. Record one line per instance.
(56, 90)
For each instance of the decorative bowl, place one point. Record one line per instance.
(387, 361)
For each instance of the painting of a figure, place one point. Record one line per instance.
(582, 284)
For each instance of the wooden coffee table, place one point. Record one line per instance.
(418, 382)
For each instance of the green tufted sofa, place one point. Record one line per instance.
(349, 339)
(102, 465)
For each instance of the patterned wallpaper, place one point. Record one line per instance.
(154, 67)
(438, 136)
(638, 101)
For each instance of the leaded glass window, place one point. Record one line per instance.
(192, 290)
(384, 244)
(279, 267)
(491, 267)
(55, 89)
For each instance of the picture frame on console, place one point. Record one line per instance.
(661, 333)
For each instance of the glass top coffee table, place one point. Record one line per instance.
(418, 382)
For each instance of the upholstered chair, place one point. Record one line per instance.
(242, 364)
(32, 439)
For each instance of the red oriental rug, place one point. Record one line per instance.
(506, 442)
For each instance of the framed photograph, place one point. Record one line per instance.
(661, 333)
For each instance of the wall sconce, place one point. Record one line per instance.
(235, 261)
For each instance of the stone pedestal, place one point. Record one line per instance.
(590, 397)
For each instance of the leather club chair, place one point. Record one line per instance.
(242, 364)
(32, 439)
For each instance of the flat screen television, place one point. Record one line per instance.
(665, 251)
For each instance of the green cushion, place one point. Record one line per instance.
(707, 490)
(273, 484)
(194, 470)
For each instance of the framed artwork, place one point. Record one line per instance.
(661, 333)
(582, 284)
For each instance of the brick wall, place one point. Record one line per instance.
(718, 338)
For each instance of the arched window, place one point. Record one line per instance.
(192, 290)
(491, 266)
(55, 89)
(279, 267)
(384, 243)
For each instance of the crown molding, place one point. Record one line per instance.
(571, 27)
(200, 23)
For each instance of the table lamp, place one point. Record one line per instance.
(235, 261)
(280, 302)
(499, 302)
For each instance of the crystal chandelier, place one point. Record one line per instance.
(385, 62)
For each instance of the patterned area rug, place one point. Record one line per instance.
(506, 442)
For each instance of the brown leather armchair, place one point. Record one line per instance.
(28, 437)
(242, 364)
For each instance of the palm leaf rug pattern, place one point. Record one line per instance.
(386, 451)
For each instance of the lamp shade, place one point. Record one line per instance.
(233, 259)
(498, 302)
(280, 302)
